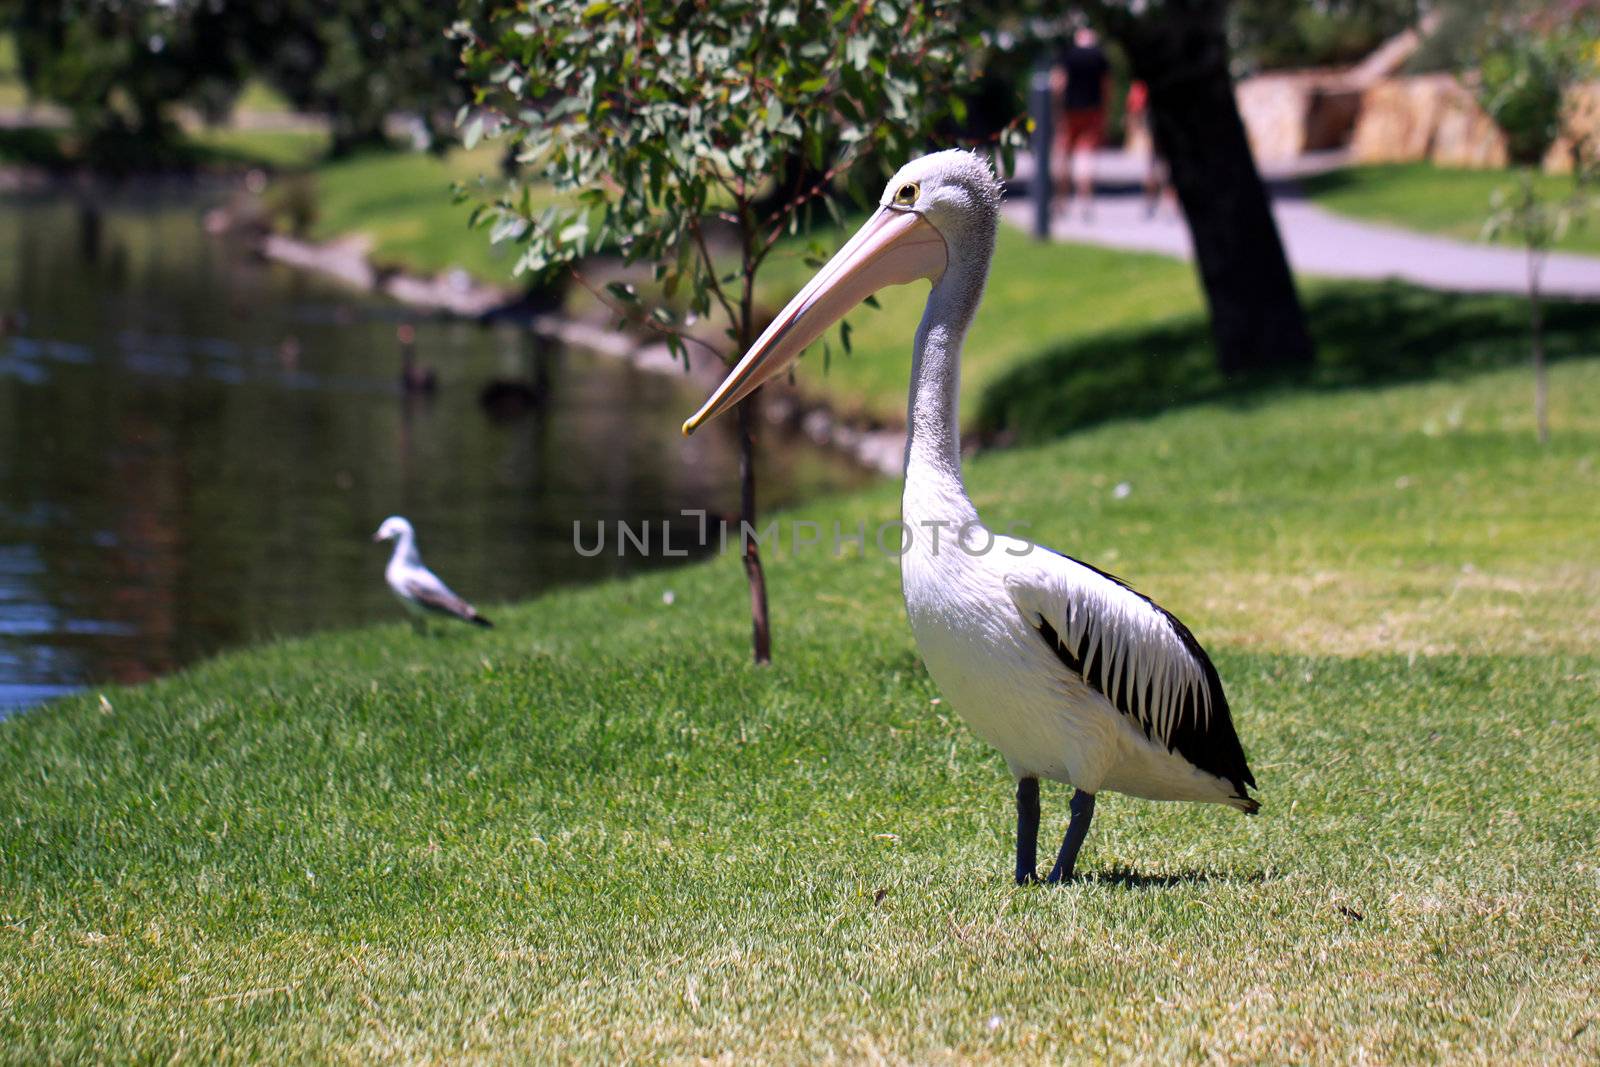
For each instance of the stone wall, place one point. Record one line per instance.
(1583, 124)
(1429, 117)
(1290, 113)
(1386, 118)
(1435, 118)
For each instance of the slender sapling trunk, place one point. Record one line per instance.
(749, 547)
(1541, 385)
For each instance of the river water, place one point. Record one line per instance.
(196, 446)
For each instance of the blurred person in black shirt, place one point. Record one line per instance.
(1081, 81)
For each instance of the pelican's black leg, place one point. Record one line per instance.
(1077, 830)
(1027, 829)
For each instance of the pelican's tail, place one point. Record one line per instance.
(1248, 805)
(478, 620)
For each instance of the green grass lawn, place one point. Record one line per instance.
(222, 148)
(275, 149)
(1070, 335)
(260, 96)
(1442, 200)
(1365, 333)
(402, 202)
(1067, 334)
(13, 91)
(596, 831)
(1126, 331)
(1037, 295)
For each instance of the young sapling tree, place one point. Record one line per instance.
(693, 138)
(1525, 82)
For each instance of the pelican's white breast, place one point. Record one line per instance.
(993, 669)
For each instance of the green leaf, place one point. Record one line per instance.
(858, 52)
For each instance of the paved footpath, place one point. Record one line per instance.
(1318, 241)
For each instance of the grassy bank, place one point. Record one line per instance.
(1443, 200)
(1365, 334)
(1067, 334)
(1038, 294)
(596, 831)
(13, 90)
(402, 202)
(223, 148)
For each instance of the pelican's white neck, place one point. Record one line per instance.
(933, 486)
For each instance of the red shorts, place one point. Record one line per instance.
(1084, 127)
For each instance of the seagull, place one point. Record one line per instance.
(418, 588)
(1072, 675)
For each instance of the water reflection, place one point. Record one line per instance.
(196, 446)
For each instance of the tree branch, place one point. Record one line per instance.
(711, 272)
(660, 327)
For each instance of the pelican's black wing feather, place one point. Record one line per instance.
(1142, 659)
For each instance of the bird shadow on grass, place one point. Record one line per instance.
(1366, 334)
(1127, 878)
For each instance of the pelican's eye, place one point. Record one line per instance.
(906, 195)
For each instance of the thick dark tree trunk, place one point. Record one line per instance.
(1180, 50)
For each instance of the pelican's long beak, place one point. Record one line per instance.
(893, 247)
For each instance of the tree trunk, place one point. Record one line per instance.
(749, 549)
(1179, 49)
(1541, 385)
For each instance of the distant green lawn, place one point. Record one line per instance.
(258, 95)
(402, 202)
(1067, 335)
(597, 832)
(277, 149)
(1442, 200)
(1038, 295)
(1365, 333)
(13, 92)
(1071, 335)
(222, 148)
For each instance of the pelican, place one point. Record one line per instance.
(418, 588)
(1072, 675)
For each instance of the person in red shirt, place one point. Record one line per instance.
(1141, 137)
